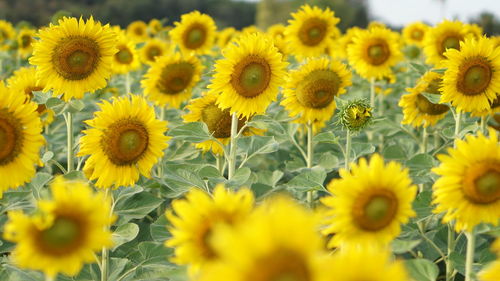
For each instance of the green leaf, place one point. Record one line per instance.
(254, 145)
(326, 137)
(422, 269)
(76, 105)
(328, 161)
(241, 175)
(420, 166)
(394, 152)
(421, 69)
(179, 181)
(308, 180)
(159, 230)
(137, 206)
(191, 132)
(47, 156)
(124, 233)
(209, 172)
(400, 246)
(41, 97)
(56, 104)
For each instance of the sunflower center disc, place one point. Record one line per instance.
(417, 34)
(218, 121)
(139, 31)
(282, 265)
(476, 77)
(482, 184)
(318, 89)
(312, 31)
(375, 211)
(25, 41)
(10, 138)
(126, 142)
(124, 56)
(251, 76)
(62, 234)
(75, 58)
(378, 53)
(433, 86)
(153, 52)
(427, 107)
(175, 78)
(195, 36)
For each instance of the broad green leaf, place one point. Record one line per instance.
(124, 233)
(394, 152)
(328, 161)
(241, 175)
(191, 132)
(326, 137)
(158, 229)
(254, 145)
(400, 246)
(308, 180)
(137, 206)
(421, 69)
(422, 269)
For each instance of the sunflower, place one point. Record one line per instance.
(248, 77)
(339, 47)
(195, 219)
(20, 139)
(364, 264)
(24, 82)
(311, 90)
(74, 57)
(66, 232)
(152, 49)
(276, 31)
(278, 242)
(468, 190)
(369, 203)
(474, 30)
(446, 35)
(373, 52)
(125, 140)
(492, 271)
(414, 33)
(417, 109)
(310, 31)
(171, 78)
(155, 26)
(127, 58)
(356, 115)
(137, 31)
(218, 121)
(24, 42)
(472, 78)
(251, 29)
(225, 36)
(194, 33)
(7, 32)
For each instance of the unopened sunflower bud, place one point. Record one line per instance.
(356, 115)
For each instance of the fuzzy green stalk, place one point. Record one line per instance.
(231, 161)
(425, 138)
(105, 251)
(310, 154)
(69, 140)
(381, 113)
(372, 92)
(469, 258)
(49, 278)
(482, 125)
(450, 247)
(220, 163)
(159, 170)
(458, 120)
(127, 83)
(347, 149)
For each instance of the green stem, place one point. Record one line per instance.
(482, 125)
(458, 119)
(220, 162)
(127, 82)
(69, 140)
(450, 248)
(105, 251)
(372, 92)
(469, 258)
(49, 278)
(232, 152)
(159, 170)
(310, 154)
(347, 150)
(425, 138)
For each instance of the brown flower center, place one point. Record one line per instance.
(433, 86)
(313, 31)
(175, 78)
(125, 142)
(219, 121)
(482, 182)
(25, 41)
(375, 209)
(474, 76)
(62, 237)
(11, 137)
(195, 36)
(251, 76)
(427, 107)
(318, 88)
(378, 52)
(152, 52)
(417, 34)
(124, 56)
(76, 57)
(281, 265)
(451, 41)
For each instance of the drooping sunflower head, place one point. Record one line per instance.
(417, 109)
(193, 228)
(226, 35)
(24, 82)
(20, 138)
(472, 78)
(248, 77)
(311, 89)
(369, 203)
(155, 26)
(127, 57)
(218, 122)
(310, 30)
(194, 33)
(24, 41)
(263, 248)
(138, 31)
(356, 115)
(468, 190)
(7, 32)
(152, 49)
(65, 233)
(124, 140)
(74, 56)
(373, 52)
(364, 264)
(171, 78)
(444, 36)
(414, 33)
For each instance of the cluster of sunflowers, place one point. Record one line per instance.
(234, 95)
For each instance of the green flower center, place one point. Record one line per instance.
(417, 34)
(451, 41)
(63, 233)
(175, 78)
(474, 76)
(375, 210)
(378, 53)
(124, 56)
(251, 76)
(25, 41)
(219, 121)
(482, 183)
(75, 57)
(313, 31)
(195, 36)
(125, 142)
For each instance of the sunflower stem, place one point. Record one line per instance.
(159, 170)
(469, 258)
(220, 162)
(127, 82)
(458, 119)
(372, 92)
(105, 251)
(49, 278)
(450, 248)
(425, 138)
(347, 149)
(482, 125)
(232, 152)
(310, 154)
(69, 140)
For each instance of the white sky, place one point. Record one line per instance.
(401, 12)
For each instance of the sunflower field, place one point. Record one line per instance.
(298, 153)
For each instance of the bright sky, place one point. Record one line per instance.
(401, 12)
